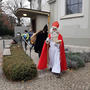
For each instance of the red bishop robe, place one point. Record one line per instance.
(43, 58)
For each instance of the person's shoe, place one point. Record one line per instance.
(50, 69)
(57, 75)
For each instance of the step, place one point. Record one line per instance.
(6, 52)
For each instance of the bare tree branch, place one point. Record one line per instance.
(11, 6)
(39, 4)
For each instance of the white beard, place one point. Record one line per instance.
(54, 36)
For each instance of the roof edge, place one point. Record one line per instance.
(32, 10)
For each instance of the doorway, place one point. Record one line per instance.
(33, 22)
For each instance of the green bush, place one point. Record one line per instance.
(84, 56)
(71, 64)
(75, 60)
(19, 66)
(88, 54)
(78, 59)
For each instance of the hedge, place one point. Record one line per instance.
(76, 60)
(19, 66)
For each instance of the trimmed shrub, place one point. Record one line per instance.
(74, 60)
(88, 54)
(19, 66)
(84, 56)
(71, 64)
(77, 59)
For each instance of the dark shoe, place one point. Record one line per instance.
(57, 75)
(50, 69)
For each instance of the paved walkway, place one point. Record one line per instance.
(71, 80)
(1, 46)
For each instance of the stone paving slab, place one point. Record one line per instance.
(1, 46)
(8, 41)
(7, 46)
(6, 52)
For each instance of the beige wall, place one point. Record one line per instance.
(53, 12)
(20, 29)
(74, 28)
(82, 42)
(41, 21)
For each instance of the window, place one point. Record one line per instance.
(73, 6)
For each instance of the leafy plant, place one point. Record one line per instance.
(75, 60)
(19, 66)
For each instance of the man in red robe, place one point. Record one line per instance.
(55, 53)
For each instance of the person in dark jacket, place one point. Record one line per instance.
(40, 38)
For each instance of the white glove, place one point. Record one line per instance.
(47, 40)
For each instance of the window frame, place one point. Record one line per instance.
(70, 16)
(78, 3)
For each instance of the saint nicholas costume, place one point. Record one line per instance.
(56, 54)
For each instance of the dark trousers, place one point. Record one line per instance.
(26, 44)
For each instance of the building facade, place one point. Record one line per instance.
(73, 16)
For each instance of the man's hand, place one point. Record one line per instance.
(58, 41)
